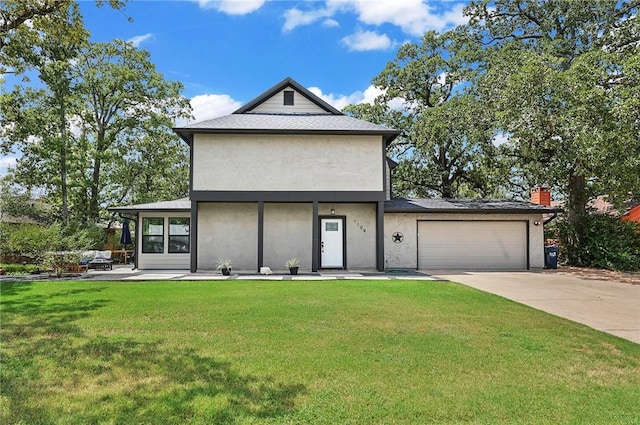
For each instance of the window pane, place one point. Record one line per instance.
(179, 235)
(152, 244)
(153, 235)
(153, 226)
(178, 226)
(179, 244)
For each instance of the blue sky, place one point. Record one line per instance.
(226, 52)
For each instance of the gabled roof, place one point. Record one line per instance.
(243, 121)
(287, 82)
(426, 205)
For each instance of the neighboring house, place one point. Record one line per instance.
(287, 175)
(632, 214)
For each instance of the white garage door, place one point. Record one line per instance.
(472, 245)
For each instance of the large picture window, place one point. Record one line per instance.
(179, 235)
(153, 235)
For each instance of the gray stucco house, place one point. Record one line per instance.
(287, 175)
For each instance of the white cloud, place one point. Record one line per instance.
(295, 17)
(337, 101)
(367, 40)
(208, 106)
(232, 7)
(500, 139)
(330, 23)
(7, 162)
(139, 39)
(414, 17)
(357, 97)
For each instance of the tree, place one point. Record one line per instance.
(445, 148)
(23, 23)
(125, 102)
(562, 78)
(104, 113)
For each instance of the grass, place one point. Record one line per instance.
(327, 352)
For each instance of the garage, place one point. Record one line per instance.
(472, 245)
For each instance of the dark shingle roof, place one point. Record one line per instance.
(182, 204)
(425, 205)
(286, 123)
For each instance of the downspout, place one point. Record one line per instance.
(550, 219)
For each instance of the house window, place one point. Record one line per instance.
(153, 235)
(288, 97)
(179, 235)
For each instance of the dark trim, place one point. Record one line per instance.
(287, 82)
(190, 164)
(529, 242)
(136, 243)
(380, 236)
(186, 134)
(260, 235)
(193, 260)
(344, 238)
(315, 238)
(463, 211)
(286, 196)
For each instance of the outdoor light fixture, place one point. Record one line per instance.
(333, 211)
(537, 223)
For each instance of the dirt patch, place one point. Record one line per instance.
(598, 274)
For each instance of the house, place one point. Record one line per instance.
(287, 175)
(633, 213)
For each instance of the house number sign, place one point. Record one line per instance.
(357, 223)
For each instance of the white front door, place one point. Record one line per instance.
(332, 243)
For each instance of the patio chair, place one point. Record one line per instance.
(102, 261)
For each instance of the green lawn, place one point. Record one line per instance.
(285, 352)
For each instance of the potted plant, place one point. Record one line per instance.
(224, 265)
(293, 265)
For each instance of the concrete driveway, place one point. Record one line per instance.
(611, 307)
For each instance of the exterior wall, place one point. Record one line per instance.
(405, 254)
(387, 176)
(275, 105)
(165, 260)
(287, 163)
(287, 234)
(361, 232)
(228, 230)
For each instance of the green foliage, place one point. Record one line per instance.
(20, 269)
(52, 246)
(604, 241)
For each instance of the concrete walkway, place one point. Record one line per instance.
(611, 307)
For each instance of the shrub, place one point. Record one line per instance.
(605, 241)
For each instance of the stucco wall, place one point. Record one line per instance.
(228, 230)
(404, 255)
(361, 232)
(287, 234)
(287, 163)
(165, 260)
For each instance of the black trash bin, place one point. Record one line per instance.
(551, 257)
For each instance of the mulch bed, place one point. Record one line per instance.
(598, 274)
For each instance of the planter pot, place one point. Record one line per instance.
(226, 272)
(293, 270)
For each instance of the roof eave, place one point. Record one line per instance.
(186, 134)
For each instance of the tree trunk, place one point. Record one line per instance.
(576, 213)
(64, 209)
